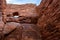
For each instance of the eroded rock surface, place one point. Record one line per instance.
(19, 26)
(24, 32)
(10, 27)
(49, 21)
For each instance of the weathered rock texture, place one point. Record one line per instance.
(2, 7)
(28, 10)
(24, 32)
(49, 21)
(26, 13)
(19, 21)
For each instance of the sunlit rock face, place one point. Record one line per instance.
(49, 21)
(28, 10)
(25, 13)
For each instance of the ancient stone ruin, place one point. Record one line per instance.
(30, 22)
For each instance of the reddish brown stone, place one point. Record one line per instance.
(9, 27)
(27, 10)
(48, 24)
(49, 19)
(26, 13)
(24, 32)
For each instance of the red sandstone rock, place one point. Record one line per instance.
(25, 32)
(1, 26)
(49, 19)
(27, 10)
(9, 27)
(15, 34)
(26, 13)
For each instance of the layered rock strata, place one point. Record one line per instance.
(49, 21)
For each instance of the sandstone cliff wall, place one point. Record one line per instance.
(23, 10)
(49, 21)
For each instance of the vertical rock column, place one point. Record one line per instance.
(1, 18)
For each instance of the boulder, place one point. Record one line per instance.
(9, 27)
